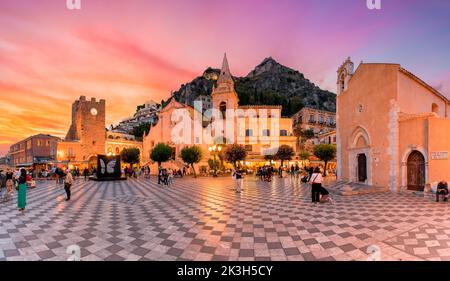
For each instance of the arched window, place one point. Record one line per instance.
(223, 109)
(117, 150)
(435, 108)
(342, 83)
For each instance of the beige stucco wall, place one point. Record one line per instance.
(439, 140)
(426, 135)
(413, 136)
(415, 98)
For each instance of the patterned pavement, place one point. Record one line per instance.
(204, 219)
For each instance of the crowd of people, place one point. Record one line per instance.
(23, 179)
(265, 173)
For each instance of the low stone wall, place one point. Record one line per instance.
(354, 189)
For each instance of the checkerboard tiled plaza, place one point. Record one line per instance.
(204, 219)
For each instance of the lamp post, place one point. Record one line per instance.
(215, 149)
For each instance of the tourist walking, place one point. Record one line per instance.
(237, 175)
(170, 177)
(2, 182)
(9, 184)
(310, 172)
(68, 182)
(22, 196)
(297, 171)
(159, 175)
(86, 174)
(316, 185)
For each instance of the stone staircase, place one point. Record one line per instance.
(353, 189)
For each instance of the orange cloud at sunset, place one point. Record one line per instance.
(128, 52)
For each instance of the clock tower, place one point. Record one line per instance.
(88, 125)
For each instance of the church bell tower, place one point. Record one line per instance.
(344, 74)
(223, 94)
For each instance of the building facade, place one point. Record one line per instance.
(36, 151)
(148, 114)
(87, 136)
(393, 128)
(319, 121)
(250, 126)
(327, 138)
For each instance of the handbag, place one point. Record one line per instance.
(314, 179)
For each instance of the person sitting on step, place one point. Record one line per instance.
(442, 189)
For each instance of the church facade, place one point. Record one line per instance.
(393, 129)
(260, 129)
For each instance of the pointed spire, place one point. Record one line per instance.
(225, 74)
(225, 67)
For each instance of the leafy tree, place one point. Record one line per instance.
(285, 153)
(214, 165)
(304, 155)
(235, 153)
(191, 155)
(131, 155)
(307, 134)
(139, 107)
(161, 153)
(270, 157)
(139, 130)
(326, 153)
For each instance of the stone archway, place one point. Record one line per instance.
(223, 109)
(92, 162)
(360, 167)
(416, 171)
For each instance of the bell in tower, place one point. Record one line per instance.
(344, 74)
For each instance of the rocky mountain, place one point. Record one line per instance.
(270, 83)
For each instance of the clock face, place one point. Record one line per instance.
(94, 111)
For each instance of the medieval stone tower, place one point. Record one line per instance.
(88, 125)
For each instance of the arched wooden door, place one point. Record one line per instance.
(416, 171)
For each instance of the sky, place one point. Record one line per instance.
(132, 51)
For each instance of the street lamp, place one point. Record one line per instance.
(215, 149)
